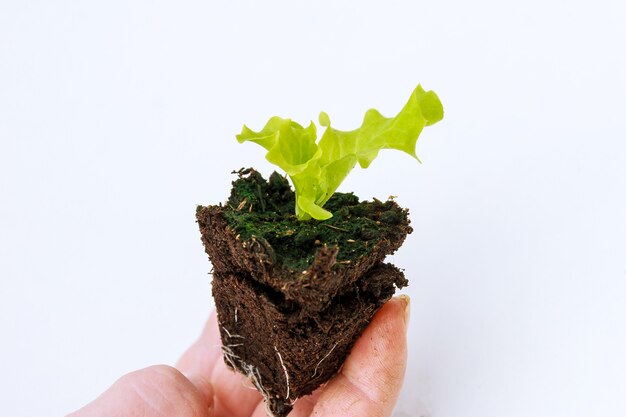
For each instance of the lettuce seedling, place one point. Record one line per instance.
(318, 168)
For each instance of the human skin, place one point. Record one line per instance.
(201, 385)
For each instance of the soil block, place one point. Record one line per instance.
(293, 296)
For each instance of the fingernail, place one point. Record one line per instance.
(407, 308)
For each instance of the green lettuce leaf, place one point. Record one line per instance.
(317, 169)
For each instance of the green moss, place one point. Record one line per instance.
(265, 210)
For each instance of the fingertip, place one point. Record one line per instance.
(393, 318)
(404, 298)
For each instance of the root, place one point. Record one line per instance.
(267, 409)
(253, 375)
(284, 369)
(229, 355)
(252, 372)
(232, 336)
(323, 359)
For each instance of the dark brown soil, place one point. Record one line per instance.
(287, 327)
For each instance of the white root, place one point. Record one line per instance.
(253, 375)
(235, 314)
(323, 359)
(229, 355)
(284, 369)
(227, 332)
(250, 371)
(232, 336)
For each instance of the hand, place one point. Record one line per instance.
(202, 385)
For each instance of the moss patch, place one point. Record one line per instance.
(265, 210)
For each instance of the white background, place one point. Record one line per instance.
(118, 117)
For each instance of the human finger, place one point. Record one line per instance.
(151, 392)
(202, 355)
(234, 395)
(372, 375)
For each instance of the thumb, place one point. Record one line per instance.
(371, 378)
